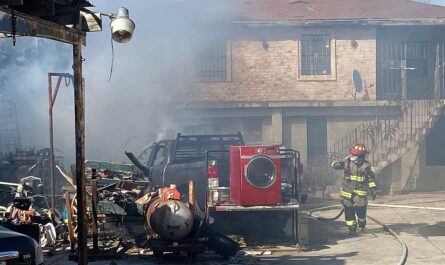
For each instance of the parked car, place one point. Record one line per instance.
(9, 257)
(30, 252)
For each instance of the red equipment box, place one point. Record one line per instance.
(255, 175)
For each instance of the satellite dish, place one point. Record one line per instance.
(357, 79)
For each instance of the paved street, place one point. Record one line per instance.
(422, 230)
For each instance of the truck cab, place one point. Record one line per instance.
(204, 159)
(176, 161)
(208, 160)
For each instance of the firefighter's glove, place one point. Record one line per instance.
(373, 193)
(338, 165)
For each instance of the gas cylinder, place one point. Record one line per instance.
(170, 219)
(170, 193)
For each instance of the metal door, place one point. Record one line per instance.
(402, 67)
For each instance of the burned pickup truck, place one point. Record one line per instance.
(231, 178)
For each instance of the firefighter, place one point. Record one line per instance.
(358, 181)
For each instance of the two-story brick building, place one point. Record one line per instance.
(281, 71)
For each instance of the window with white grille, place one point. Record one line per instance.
(212, 61)
(315, 54)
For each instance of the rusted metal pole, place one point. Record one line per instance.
(51, 101)
(51, 142)
(82, 248)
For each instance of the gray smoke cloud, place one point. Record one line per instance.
(130, 110)
(24, 81)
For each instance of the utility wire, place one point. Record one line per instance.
(112, 58)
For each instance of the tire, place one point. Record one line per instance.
(222, 244)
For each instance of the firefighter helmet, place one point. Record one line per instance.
(359, 149)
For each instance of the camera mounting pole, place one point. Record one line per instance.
(79, 97)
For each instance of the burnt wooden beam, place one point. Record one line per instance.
(65, 15)
(27, 25)
(64, 12)
(37, 8)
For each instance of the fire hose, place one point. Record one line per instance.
(404, 256)
(310, 213)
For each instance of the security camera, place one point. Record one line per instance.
(122, 26)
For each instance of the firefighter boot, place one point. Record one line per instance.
(361, 225)
(352, 226)
(352, 232)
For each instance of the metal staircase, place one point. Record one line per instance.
(399, 127)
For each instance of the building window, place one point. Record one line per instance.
(212, 62)
(416, 60)
(315, 54)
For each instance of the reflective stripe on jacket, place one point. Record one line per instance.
(357, 179)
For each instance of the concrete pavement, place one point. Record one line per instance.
(422, 230)
(329, 243)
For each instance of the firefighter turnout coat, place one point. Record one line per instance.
(357, 179)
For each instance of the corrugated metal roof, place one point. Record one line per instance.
(299, 10)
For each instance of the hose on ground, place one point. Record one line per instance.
(406, 207)
(310, 213)
(404, 256)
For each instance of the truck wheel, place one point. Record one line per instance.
(222, 244)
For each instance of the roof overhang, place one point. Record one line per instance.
(331, 22)
(27, 25)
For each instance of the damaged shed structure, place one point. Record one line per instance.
(319, 76)
(65, 21)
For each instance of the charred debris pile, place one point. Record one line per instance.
(126, 215)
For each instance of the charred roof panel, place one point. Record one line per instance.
(59, 11)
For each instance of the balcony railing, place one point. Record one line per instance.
(398, 126)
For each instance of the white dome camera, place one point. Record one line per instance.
(122, 27)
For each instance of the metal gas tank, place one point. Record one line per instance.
(170, 219)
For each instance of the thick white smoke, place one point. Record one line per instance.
(131, 109)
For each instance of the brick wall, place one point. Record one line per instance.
(271, 74)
